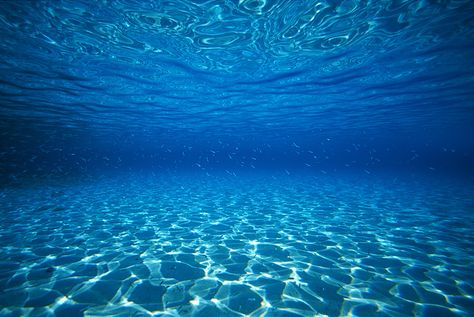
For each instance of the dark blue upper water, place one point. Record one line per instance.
(241, 84)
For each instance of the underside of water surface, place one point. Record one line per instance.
(236, 158)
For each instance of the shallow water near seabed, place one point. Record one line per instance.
(232, 246)
(236, 158)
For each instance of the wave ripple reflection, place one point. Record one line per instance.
(269, 33)
(230, 66)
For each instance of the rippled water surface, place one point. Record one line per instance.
(171, 68)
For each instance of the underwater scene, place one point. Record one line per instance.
(236, 158)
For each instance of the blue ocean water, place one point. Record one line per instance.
(237, 158)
